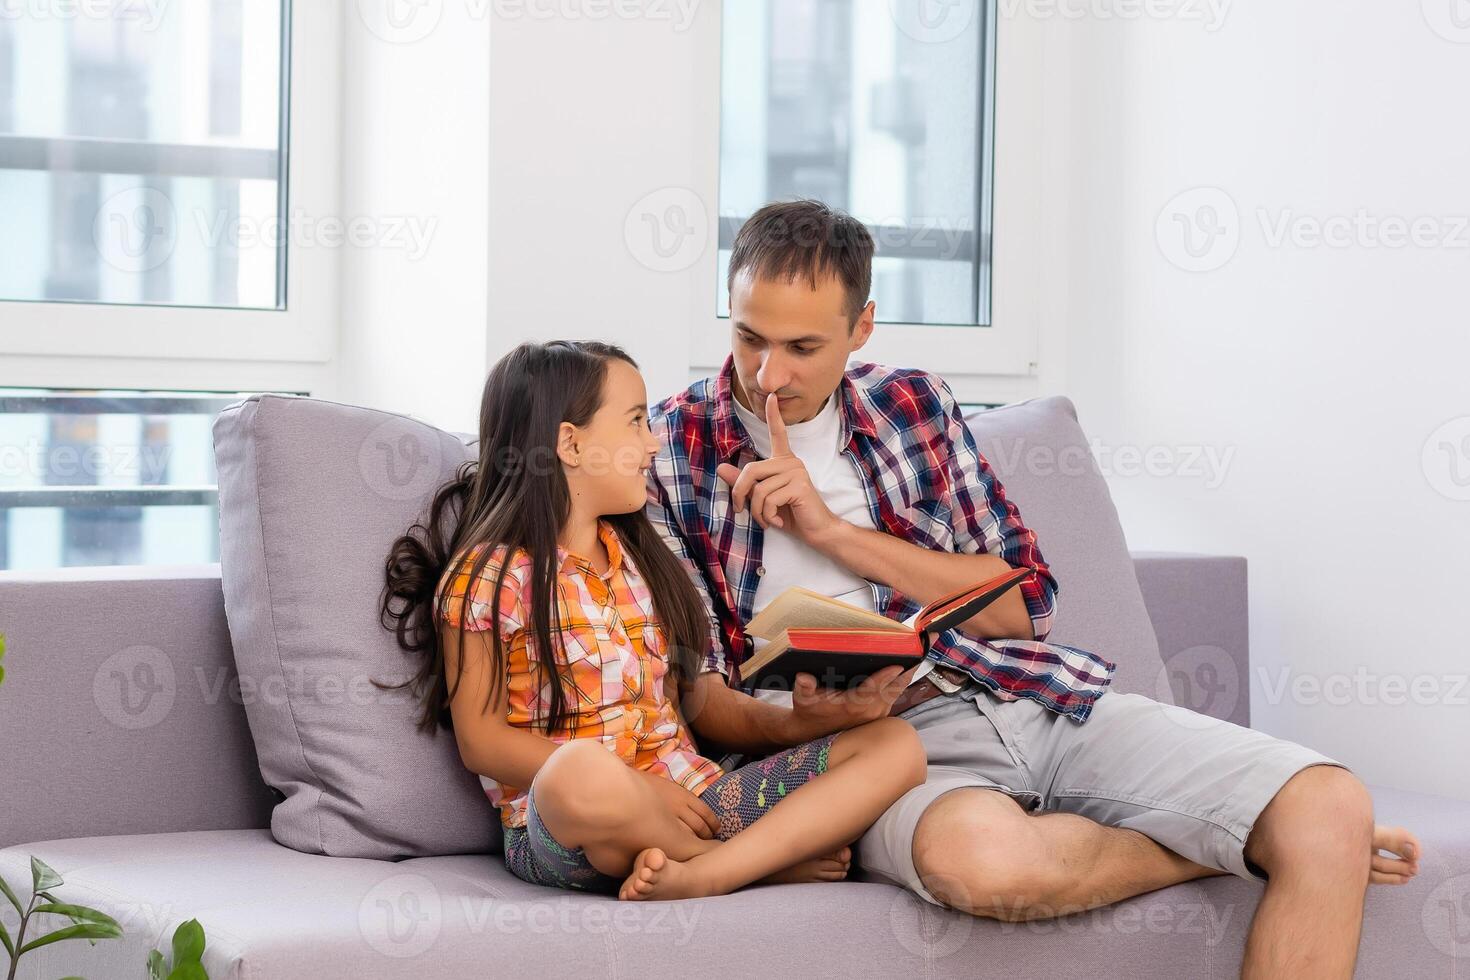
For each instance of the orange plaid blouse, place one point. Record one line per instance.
(616, 657)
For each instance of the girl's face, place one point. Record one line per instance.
(607, 459)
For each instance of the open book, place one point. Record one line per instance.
(840, 644)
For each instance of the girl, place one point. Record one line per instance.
(557, 634)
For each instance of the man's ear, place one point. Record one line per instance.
(862, 330)
(568, 447)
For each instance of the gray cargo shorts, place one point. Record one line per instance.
(1191, 782)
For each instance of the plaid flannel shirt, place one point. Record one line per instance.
(926, 483)
(613, 662)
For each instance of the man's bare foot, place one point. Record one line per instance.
(657, 877)
(1394, 870)
(829, 867)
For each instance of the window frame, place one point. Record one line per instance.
(1005, 352)
(305, 333)
(90, 495)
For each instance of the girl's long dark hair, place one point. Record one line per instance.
(516, 495)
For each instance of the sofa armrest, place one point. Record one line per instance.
(1198, 607)
(121, 711)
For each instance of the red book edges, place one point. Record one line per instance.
(856, 641)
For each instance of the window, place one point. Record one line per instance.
(142, 153)
(882, 108)
(107, 478)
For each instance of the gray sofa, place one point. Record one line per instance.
(181, 743)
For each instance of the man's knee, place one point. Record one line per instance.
(977, 851)
(1321, 818)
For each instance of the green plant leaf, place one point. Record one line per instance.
(42, 877)
(188, 971)
(86, 930)
(78, 913)
(5, 938)
(5, 887)
(50, 897)
(156, 968)
(75, 913)
(188, 943)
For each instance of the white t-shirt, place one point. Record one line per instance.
(786, 560)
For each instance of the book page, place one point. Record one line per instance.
(765, 652)
(798, 607)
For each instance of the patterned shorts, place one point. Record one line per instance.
(739, 798)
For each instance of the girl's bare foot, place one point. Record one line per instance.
(1392, 870)
(829, 867)
(658, 877)
(654, 876)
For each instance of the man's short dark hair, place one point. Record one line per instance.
(807, 239)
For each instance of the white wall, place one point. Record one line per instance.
(533, 141)
(598, 126)
(415, 152)
(1318, 372)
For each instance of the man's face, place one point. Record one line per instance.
(792, 340)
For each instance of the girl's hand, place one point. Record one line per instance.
(690, 810)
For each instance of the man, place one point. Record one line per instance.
(1045, 794)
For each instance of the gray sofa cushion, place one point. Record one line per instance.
(312, 494)
(1040, 454)
(270, 914)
